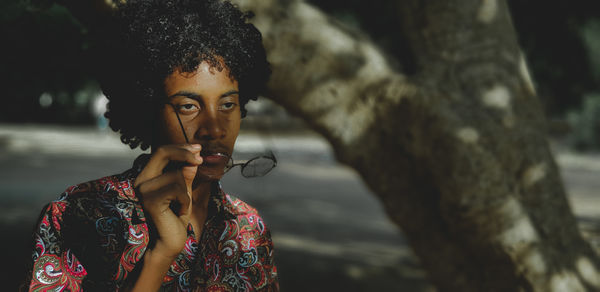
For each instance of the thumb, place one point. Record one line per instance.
(189, 173)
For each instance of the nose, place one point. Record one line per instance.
(210, 126)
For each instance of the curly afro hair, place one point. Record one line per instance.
(146, 40)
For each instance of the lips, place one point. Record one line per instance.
(210, 149)
(215, 158)
(214, 154)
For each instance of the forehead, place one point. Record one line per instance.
(204, 80)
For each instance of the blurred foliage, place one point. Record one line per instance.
(585, 123)
(552, 34)
(591, 34)
(45, 51)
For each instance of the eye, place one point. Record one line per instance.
(188, 108)
(227, 106)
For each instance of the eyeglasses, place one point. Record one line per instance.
(255, 167)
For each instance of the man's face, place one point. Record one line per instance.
(207, 102)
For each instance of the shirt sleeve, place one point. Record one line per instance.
(272, 269)
(55, 268)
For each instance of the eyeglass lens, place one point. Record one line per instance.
(258, 167)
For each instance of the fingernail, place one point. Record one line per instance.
(197, 155)
(196, 146)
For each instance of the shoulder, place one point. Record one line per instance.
(107, 202)
(109, 196)
(245, 248)
(118, 185)
(100, 221)
(236, 206)
(246, 218)
(248, 230)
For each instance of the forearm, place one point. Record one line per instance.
(153, 271)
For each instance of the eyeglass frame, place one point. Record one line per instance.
(243, 165)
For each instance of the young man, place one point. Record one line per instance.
(178, 75)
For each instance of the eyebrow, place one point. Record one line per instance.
(198, 96)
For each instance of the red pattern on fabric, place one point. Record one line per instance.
(54, 273)
(234, 253)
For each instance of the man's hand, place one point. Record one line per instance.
(158, 189)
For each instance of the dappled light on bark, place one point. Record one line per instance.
(467, 170)
(487, 11)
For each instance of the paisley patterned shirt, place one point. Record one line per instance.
(94, 236)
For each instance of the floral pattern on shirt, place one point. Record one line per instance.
(95, 235)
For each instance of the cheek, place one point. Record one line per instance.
(169, 130)
(236, 121)
(234, 127)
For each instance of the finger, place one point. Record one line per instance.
(177, 192)
(162, 199)
(157, 183)
(163, 155)
(184, 154)
(183, 197)
(189, 173)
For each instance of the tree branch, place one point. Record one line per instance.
(324, 72)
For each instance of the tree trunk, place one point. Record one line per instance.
(456, 150)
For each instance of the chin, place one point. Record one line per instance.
(209, 174)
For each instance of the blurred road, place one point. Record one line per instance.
(330, 232)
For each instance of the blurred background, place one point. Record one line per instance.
(326, 224)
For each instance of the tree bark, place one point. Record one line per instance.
(456, 150)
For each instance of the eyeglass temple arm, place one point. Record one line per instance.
(180, 123)
(273, 157)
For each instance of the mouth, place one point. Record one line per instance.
(215, 158)
(215, 161)
(214, 155)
